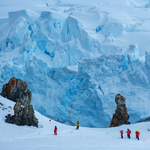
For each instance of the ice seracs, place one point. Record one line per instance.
(75, 59)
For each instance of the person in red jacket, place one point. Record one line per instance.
(121, 132)
(55, 130)
(128, 133)
(137, 133)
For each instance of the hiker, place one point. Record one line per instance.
(128, 133)
(55, 130)
(77, 124)
(121, 132)
(137, 133)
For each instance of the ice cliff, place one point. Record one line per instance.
(72, 75)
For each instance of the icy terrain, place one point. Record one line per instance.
(77, 55)
(14, 137)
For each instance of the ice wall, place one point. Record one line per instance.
(42, 49)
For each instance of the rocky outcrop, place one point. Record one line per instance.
(121, 116)
(17, 90)
(22, 116)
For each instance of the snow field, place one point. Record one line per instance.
(78, 54)
(24, 137)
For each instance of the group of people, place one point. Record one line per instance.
(55, 129)
(137, 133)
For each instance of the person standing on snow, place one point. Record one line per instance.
(121, 132)
(128, 133)
(137, 133)
(77, 124)
(55, 130)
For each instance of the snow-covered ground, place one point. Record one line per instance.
(14, 137)
(76, 55)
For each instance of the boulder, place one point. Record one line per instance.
(22, 116)
(121, 116)
(17, 90)
(29, 117)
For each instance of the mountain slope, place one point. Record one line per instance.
(23, 137)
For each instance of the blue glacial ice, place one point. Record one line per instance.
(43, 50)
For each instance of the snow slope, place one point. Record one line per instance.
(76, 56)
(24, 137)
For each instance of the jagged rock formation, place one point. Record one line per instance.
(121, 116)
(22, 116)
(17, 91)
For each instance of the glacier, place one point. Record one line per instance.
(75, 67)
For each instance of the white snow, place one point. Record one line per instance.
(14, 137)
(74, 68)
(78, 54)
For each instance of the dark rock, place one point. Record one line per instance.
(121, 116)
(29, 117)
(9, 119)
(22, 116)
(17, 90)
(1, 104)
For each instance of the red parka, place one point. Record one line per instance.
(55, 131)
(121, 132)
(137, 133)
(128, 132)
